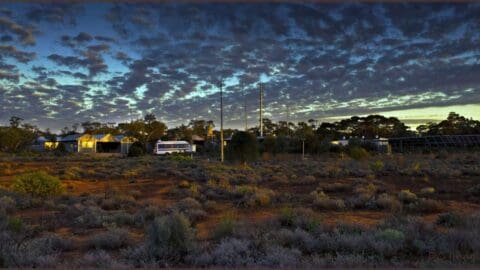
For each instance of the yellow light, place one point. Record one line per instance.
(87, 144)
(51, 145)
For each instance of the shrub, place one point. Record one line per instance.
(72, 173)
(450, 220)
(180, 158)
(475, 190)
(377, 166)
(406, 196)
(37, 184)
(358, 153)
(194, 190)
(336, 187)
(427, 191)
(309, 179)
(323, 201)
(287, 216)
(170, 238)
(230, 252)
(423, 205)
(114, 238)
(183, 184)
(281, 257)
(191, 208)
(99, 259)
(225, 228)
(15, 224)
(136, 149)
(18, 251)
(390, 235)
(388, 202)
(7, 204)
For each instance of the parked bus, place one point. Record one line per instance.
(170, 147)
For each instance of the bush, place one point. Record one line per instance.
(7, 205)
(358, 153)
(406, 196)
(423, 205)
(475, 190)
(37, 184)
(450, 220)
(390, 235)
(136, 149)
(170, 238)
(15, 224)
(231, 252)
(427, 191)
(281, 257)
(377, 166)
(225, 228)
(287, 216)
(99, 259)
(323, 201)
(112, 239)
(191, 208)
(388, 202)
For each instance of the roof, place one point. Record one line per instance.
(99, 136)
(197, 138)
(69, 138)
(171, 142)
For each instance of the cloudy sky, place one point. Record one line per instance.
(61, 64)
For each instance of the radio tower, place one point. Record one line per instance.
(261, 108)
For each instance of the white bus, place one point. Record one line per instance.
(170, 147)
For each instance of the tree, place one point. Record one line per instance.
(150, 118)
(148, 130)
(15, 121)
(243, 147)
(16, 138)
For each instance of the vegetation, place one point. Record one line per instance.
(399, 210)
(243, 147)
(37, 184)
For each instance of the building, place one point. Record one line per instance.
(87, 143)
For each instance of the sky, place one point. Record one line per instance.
(62, 64)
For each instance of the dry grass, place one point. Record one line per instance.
(106, 195)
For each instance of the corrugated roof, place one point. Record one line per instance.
(73, 137)
(99, 136)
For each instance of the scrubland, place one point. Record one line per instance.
(330, 211)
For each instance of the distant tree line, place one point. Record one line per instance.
(279, 137)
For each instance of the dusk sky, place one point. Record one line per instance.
(65, 64)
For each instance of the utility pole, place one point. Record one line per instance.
(221, 122)
(245, 110)
(303, 148)
(261, 108)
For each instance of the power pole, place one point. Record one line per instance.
(221, 122)
(261, 108)
(245, 109)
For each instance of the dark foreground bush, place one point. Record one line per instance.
(170, 238)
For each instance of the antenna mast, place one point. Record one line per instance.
(261, 108)
(221, 122)
(245, 109)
